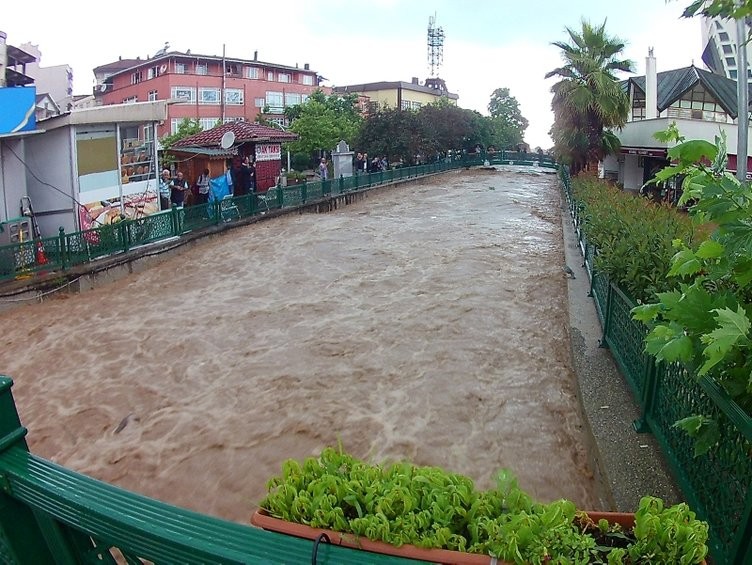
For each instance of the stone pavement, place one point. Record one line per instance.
(630, 464)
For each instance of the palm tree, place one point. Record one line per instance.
(588, 99)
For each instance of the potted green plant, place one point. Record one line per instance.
(430, 514)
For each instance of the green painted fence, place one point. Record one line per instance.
(718, 484)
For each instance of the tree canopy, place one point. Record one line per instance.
(322, 121)
(588, 99)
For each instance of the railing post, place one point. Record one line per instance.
(606, 316)
(125, 234)
(217, 212)
(175, 220)
(357, 181)
(304, 191)
(252, 206)
(342, 183)
(63, 248)
(280, 197)
(649, 391)
(21, 537)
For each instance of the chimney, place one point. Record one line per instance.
(3, 57)
(306, 67)
(255, 55)
(651, 86)
(415, 80)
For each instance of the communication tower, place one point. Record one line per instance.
(435, 46)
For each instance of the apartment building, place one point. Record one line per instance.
(398, 94)
(720, 41)
(212, 89)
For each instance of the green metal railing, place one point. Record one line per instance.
(718, 484)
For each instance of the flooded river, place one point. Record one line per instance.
(427, 322)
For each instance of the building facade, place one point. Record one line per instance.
(56, 81)
(720, 41)
(211, 89)
(701, 104)
(405, 95)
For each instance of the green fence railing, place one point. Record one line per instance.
(718, 484)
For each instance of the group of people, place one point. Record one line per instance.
(364, 165)
(177, 191)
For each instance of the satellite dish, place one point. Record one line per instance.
(102, 88)
(228, 138)
(162, 69)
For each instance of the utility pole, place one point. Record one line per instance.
(224, 80)
(742, 89)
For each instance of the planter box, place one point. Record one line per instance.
(262, 519)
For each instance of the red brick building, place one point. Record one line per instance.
(214, 89)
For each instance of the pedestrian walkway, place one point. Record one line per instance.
(631, 464)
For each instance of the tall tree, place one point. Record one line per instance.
(588, 100)
(322, 121)
(505, 107)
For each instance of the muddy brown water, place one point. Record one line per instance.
(427, 322)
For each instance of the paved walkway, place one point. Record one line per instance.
(631, 464)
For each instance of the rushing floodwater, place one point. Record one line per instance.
(427, 322)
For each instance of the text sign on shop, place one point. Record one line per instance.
(268, 152)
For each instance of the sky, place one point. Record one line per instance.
(488, 44)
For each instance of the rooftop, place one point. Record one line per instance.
(244, 131)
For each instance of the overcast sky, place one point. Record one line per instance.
(488, 43)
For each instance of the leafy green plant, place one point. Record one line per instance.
(633, 237)
(705, 322)
(429, 507)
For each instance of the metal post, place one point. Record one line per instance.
(742, 90)
(63, 250)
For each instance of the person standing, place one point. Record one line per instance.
(202, 187)
(323, 171)
(164, 190)
(178, 189)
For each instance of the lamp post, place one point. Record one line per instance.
(742, 90)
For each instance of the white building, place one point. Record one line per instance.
(720, 52)
(701, 103)
(57, 80)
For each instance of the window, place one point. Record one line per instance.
(136, 77)
(698, 104)
(275, 102)
(723, 36)
(405, 105)
(730, 62)
(180, 68)
(416, 105)
(292, 98)
(208, 96)
(232, 69)
(727, 50)
(638, 105)
(184, 93)
(148, 133)
(307, 79)
(259, 102)
(252, 72)
(283, 77)
(130, 100)
(278, 121)
(234, 96)
(732, 74)
(153, 95)
(270, 75)
(207, 123)
(303, 98)
(202, 69)
(174, 123)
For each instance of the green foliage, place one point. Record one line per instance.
(634, 237)
(186, 128)
(705, 323)
(322, 121)
(429, 507)
(508, 123)
(301, 161)
(588, 99)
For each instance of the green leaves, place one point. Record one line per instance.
(732, 330)
(692, 152)
(703, 430)
(433, 508)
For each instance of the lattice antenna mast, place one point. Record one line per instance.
(435, 46)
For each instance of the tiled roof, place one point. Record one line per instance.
(244, 131)
(673, 84)
(118, 65)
